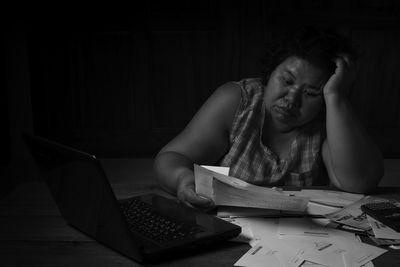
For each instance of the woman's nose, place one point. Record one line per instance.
(294, 96)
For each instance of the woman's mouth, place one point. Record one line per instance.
(285, 112)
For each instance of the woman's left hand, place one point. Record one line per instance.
(343, 78)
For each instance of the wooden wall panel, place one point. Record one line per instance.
(125, 87)
(180, 73)
(376, 93)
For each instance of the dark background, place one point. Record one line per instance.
(120, 81)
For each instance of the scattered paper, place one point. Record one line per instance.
(246, 235)
(352, 214)
(340, 251)
(296, 241)
(336, 248)
(382, 231)
(311, 264)
(258, 256)
(289, 254)
(384, 242)
(261, 228)
(300, 227)
(326, 253)
(359, 254)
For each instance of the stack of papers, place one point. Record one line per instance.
(338, 199)
(230, 191)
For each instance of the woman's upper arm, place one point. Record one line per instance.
(206, 138)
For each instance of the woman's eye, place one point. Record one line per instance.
(311, 93)
(287, 81)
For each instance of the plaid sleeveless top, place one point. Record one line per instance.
(250, 160)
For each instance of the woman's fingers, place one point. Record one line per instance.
(348, 63)
(191, 199)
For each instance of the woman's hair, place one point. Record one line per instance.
(318, 46)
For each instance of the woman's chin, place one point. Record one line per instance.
(283, 123)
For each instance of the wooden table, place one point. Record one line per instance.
(33, 233)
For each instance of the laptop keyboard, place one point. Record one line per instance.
(142, 218)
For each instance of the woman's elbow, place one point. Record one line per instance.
(365, 181)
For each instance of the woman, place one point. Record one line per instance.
(295, 126)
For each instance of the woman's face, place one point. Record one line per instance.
(294, 95)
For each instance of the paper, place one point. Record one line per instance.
(217, 169)
(382, 231)
(230, 191)
(313, 210)
(265, 231)
(320, 209)
(288, 253)
(260, 228)
(326, 253)
(235, 212)
(340, 251)
(359, 254)
(246, 235)
(204, 178)
(336, 249)
(385, 242)
(352, 214)
(258, 256)
(330, 197)
(300, 227)
(311, 264)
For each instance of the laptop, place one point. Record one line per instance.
(145, 228)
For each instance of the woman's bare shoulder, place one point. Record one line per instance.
(230, 90)
(224, 102)
(205, 138)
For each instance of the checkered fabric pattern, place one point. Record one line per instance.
(250, 160)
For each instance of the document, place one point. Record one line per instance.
(230, 191)
(237, 212)
(314, 208)
(358, 253)
(382, 231)
(246, 235)
(260, 228)
(331, 197)
(294, 248)
(301, 227)
(259, 255)
(203, 178)
(326, 253)
(337, 250)
(352, 215)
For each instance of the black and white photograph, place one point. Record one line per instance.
(200, 133)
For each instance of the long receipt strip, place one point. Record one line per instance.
(230, 191)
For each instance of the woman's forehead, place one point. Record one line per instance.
(302, 69)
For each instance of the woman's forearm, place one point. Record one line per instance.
(170, 167)
(356, 161)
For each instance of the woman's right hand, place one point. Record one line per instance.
(187, 195)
